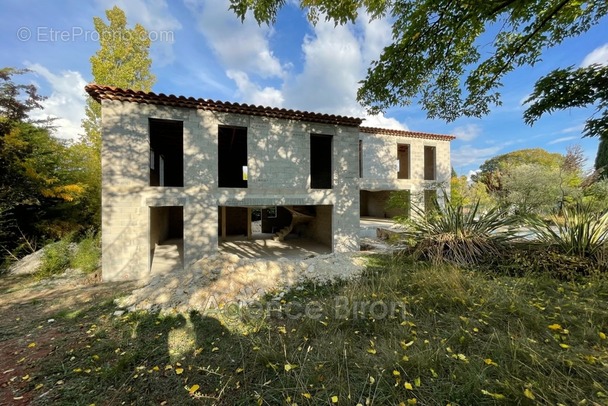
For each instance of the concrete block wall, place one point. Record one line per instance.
(380, 163)
(279, 174)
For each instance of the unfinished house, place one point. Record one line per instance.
(187, 175)
(415, 163)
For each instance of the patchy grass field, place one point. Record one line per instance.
(405, 333)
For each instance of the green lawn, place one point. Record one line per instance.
(405, 333)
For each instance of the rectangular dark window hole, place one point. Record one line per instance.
(232, 157)
(429, 163)
(403, 158)
(166, 152)
(320, 161)
(360, 158)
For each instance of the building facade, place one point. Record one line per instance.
(196, 170)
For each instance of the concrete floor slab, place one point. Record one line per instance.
(263, 246)
(168, 257)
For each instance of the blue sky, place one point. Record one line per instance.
(201, 49)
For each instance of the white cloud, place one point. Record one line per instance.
(239, 46)
(382, 122)
(377, 34)
(467, 155)
(467, 132)
(563, 139)
(253, 93)
(598, 55)
(332, 68)
(574, 129)
(155, 17)
(66, 102)
(335, 60)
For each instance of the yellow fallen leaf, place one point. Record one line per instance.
(239, 370)
(31, 345)
(26, 377)
(396, 373)
(496, 396)
(405, 358)
(371, 380)
(179, 371)
(528, 393)
(555, 327)
(371, 350)
(564, 345)
(412, 401)
(289, 367)
(334, 399)
(602, 335)
(193, 389)
(408, 386)
(417, 381)
(282, 330)
(39, 386)
(307, 395)
(489, 361)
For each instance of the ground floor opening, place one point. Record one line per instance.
(275, 231)
(385, 204)
(166, 238)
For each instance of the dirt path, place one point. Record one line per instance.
(32, 325)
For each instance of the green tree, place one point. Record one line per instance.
(38, 187)
(531, 188)
(123, 61)
(601, 159)
(492, 171)
(450, 55)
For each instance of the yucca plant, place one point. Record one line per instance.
(579, 232)
(458, 234)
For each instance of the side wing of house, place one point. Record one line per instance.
(417, 164)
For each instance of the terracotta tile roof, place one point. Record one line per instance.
(409, 134)
(99, 92)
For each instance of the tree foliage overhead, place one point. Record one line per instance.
(570, 87)
(450, 55)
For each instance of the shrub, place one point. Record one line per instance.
(55, 259)
(579, 232)
(87, 255)
(526, 258)
(458, 234)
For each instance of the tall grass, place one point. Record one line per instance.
(457, 337)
